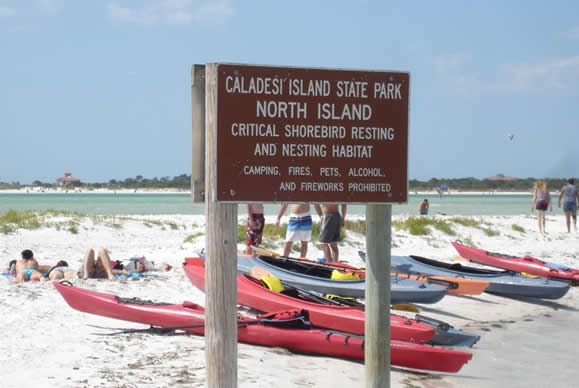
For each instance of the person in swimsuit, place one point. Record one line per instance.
(104, 268)
(61, 271)
(11, 269)
(255, 224)
(541, 201)
(299, 227)
(570, 197)
(330, 225)
(423, 207)
(27, 268)
(99, 268)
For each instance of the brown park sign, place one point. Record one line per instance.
(311, 135)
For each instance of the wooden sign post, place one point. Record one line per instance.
(377, 324)
(301, 135)
(198, 133)
(221, 259)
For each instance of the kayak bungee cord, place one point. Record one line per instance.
(170, 330)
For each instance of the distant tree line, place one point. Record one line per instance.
(473, 184)
(183, 182)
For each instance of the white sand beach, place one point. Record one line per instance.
(48, 344)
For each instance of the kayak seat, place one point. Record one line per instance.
(272, 283)
(339, 275)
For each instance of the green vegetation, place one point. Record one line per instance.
(478, 224)
(191, 237)
(490, 231)
(13, 220)
(183, 182)
(420, 226)
(518, 228)
(358, 226)
(473, 184)
(468, 241)
(469, 222)
(271, 234)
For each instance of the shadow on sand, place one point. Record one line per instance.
(543, 302)
(474, 298)
(442, 312)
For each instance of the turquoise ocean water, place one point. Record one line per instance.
(132, 204)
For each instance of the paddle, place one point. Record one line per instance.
(258, 272)
(441, 282)
(272, 254)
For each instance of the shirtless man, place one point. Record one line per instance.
(255, 223)
(299, 227)
(331, 223)
(27, 268)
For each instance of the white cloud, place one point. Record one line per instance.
(555, 74)
(7, 12)
(445, 63)
(172, 12)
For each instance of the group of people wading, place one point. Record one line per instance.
(300, 227)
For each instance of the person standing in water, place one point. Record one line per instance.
(423, 207)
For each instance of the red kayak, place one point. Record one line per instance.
(527, 264)
(252, 293)
(265, 330)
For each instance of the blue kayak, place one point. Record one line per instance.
(317, 278)
(505, 283)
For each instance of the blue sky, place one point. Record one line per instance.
(102, 88)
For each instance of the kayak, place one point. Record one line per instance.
(454, 285)
(505, 283)
(252, 293)
(313, 277)
(268, 330)
(527, 264)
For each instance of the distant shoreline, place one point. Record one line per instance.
(39, 190)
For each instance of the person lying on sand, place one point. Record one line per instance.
(27, 268)
(11, 269)
(104, 268)
(61, 271)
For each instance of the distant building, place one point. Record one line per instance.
(501, 177)
(67, 179)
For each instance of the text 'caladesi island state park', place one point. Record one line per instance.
(312, 132)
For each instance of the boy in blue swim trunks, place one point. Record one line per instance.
(299, 227)
(27, 268)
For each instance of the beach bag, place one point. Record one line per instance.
(138, 264)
